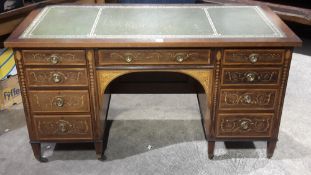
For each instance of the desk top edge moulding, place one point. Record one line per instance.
(209, 26)
(235, 58)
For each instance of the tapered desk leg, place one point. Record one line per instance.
(211, 147)
(99, 150)
(101, 145)
(270, 148)
(36, 148)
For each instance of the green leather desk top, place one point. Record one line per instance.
(155, 22)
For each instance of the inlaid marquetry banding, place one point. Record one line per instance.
(54, 57)
(248, 98)
(204, 77)
(263, 56)
(59, 101)
(245, 125)
(152, 57)
(286, 65)
(268, 76)
(22, 82)
(216, 87)
(63, 127)
(46, 76)
(92, 82)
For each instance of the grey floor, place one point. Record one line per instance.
(172, 144)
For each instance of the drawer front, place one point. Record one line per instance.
(37, 77)
(253, 57)
(54, 57)
(59, 101)
(63, 127)
(238, 76)
(247, 99)
(244, 125)
(111, 57)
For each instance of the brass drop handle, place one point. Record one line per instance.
(129, 58)
(60, 102)
(62, 127)
(180, 58)
(247, 99)
(54, 59)
(253, 58)
(244, 125)
(57, 78)
(250, 76)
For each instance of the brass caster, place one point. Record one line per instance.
(269, 156)
(43, 159)
(101, 157)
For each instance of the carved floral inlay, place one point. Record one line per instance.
(251, 76)
(157, 56)
(245, 125)
(52, 76)
(245, 56)
(53, 102)
(154, 57)
(248, 98)
(63, 127)
(202, 76)
(48, 57)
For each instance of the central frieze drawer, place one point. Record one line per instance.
(253, 57)
(117, 57)
(54, 57)
(250, 76)
(247, 99)
(59, 101)
(63, 127)
(244, 125)
(56, 77)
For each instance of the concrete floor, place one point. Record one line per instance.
(12, 118)
(130, 135)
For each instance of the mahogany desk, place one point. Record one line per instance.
(67, 56)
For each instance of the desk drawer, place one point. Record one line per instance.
(37, 77)
(54, 57)
(59, 101)
(253, 56)
(63, 127)
(251, 76)
(244, 125)
(119, 57)
(247, 99)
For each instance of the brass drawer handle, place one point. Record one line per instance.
(253, 58)
(60, 102)
(247, 99)
(180, 58)
(129, 58)
(62, 127)
(250, 76)
(57, 78)
(244, 125)
(54, 59)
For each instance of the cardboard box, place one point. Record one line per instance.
(10, 92)
(7, 63)
(7, 5)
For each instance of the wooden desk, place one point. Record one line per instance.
(68, 55)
